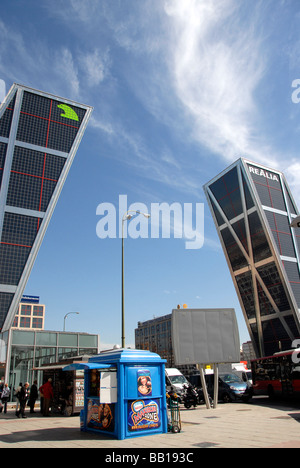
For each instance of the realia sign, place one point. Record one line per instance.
(262, 173)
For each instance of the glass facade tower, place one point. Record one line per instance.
(253, 208)
(39, 137)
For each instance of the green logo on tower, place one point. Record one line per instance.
(69, 113)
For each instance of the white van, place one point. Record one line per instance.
(243, 372)
(175, 380)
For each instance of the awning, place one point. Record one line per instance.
(49, 367)
(88, 365)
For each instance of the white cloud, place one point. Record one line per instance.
(292, 174)
(96, 66)
(73, 11)
(217, 64)
(195, 65)
(67, 70)
(200, 74)
(105, 127)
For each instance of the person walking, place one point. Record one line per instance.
(47, 391)
(5, 397)
(17, 395)
(1, 390)
(33, 396)
(23, 397)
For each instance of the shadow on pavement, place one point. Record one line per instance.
(51, 435)
(278, 404)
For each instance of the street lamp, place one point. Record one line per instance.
(77, 313)
(296, 222)
(127, 216)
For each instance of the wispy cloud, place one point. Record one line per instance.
(198, 73)
(193, 68)
(67, 70)
(95, 66)
(34, 63)
(102, 125)
(215, 75)
(292, 172)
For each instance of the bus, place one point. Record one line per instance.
(277, 375)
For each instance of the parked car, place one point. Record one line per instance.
(245, 375)
(231, 387)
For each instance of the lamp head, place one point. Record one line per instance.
(296, 222)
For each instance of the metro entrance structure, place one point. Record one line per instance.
(253, 210)
(39, 136)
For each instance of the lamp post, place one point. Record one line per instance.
(77, 313)
(296, 222)
(127, 216)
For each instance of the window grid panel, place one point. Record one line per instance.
(38, 311)
(24, 191)
(270, 192)
(30, 171)
(19, 229)
(271, 278)
(37, 322)
(25, 309)
(25, 322)
(13, 260)
(227, 193)
(47, 123)
(5, 302)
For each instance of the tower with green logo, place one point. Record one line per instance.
(39, 136)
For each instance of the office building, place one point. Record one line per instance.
(156, 336)
(247, 353)
(30, 314)
(253, 208)
(23, 351)
(39, 136)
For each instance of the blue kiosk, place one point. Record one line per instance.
(124, 393)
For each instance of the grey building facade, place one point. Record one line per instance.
(156, 336)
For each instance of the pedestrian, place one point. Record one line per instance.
(5, 397)
(1, 390)
(17, 395)
(47, 392)
(23, 397)
(33, 396)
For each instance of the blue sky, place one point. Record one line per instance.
(180, 90)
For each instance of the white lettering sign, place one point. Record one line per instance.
(262, 173)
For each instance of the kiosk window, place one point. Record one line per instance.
(94, 383)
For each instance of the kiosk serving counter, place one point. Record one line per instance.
(124, 393)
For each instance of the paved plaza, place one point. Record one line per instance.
(260, 424)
